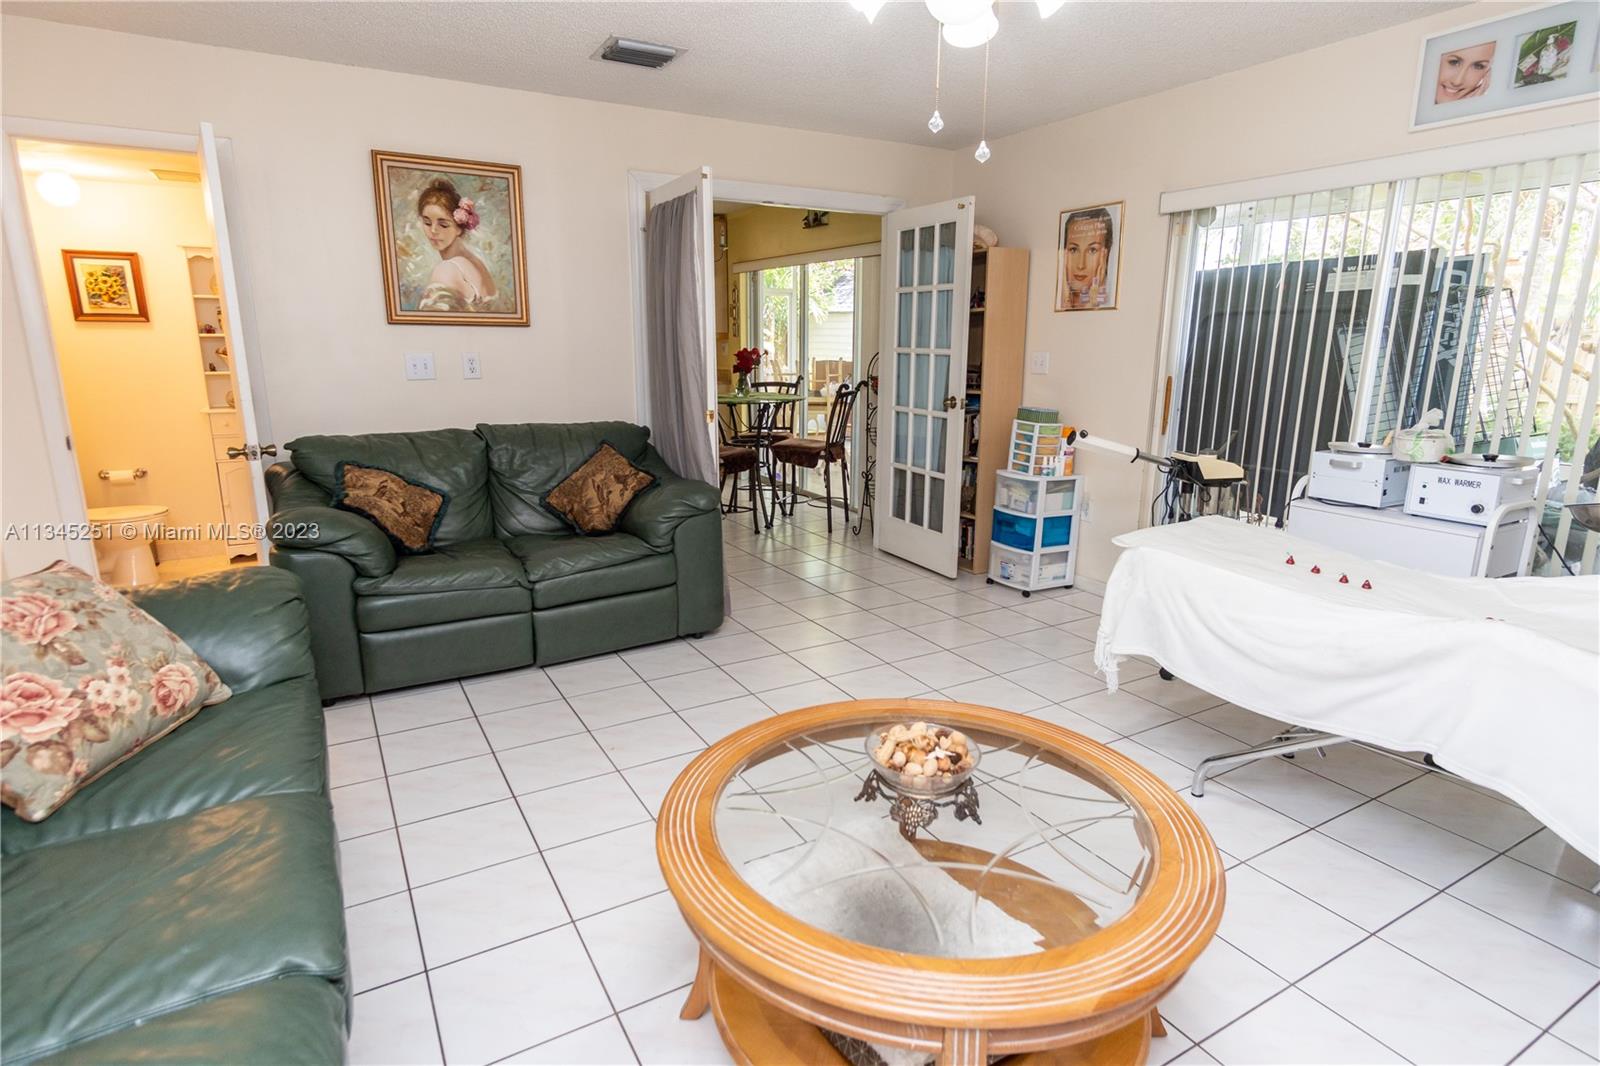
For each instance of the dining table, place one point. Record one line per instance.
(751, 405)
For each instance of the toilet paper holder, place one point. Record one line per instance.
(138, 472)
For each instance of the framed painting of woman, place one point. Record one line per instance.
(450, 236)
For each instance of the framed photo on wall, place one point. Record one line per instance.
(105, 286)
(1089, 258)
(450, 237)
(1538, 58)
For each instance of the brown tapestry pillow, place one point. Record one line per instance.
(408, 511)
(593, 497)
(90, 680)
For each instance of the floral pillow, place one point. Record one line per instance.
(90, 679)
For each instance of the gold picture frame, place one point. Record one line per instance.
(105, 286)
(1089, 273)
(450, 239)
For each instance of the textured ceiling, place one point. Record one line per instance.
(809, 64)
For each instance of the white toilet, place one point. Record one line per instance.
(122, 542)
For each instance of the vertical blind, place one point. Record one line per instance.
(1344, 314)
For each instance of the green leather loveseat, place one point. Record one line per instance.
(508, 583)
(185, 908)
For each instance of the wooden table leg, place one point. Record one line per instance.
(965, 1047)
(699, 992)
(1157, 1027)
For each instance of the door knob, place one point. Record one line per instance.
(270, 449)
(239, 453)
(950, 403)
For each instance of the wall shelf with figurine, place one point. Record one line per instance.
(221, 392)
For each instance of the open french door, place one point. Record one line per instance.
(927, 282)
(695, 183)
(241, 473)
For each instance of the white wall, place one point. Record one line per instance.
(1345, 102)
(301, 134)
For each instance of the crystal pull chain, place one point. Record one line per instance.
(982, 154)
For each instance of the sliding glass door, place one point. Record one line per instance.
(813, 321)
(1347, 314)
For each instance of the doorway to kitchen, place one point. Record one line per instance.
(806, 295)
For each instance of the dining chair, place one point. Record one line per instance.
(770, 422)
(810, 452)
(733, 460)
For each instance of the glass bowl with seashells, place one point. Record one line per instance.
(922, 758)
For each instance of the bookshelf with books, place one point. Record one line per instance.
(997, 327)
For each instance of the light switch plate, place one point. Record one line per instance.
(1039, 362)
(471, 366)
(419, 366)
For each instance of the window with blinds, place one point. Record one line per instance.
(1345, 314)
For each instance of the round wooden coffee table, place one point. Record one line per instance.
(1048, 924)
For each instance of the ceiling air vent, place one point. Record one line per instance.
(638, 53)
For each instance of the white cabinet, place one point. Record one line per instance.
(221, 391)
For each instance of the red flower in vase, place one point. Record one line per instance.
(745, 360)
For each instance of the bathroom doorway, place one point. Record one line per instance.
(146, 356)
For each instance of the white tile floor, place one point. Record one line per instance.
(504, 903)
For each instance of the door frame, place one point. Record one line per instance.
(642, 182)
(51, 396)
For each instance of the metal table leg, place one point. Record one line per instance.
(1283, 744)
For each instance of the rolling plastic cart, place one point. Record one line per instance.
(1033, 543)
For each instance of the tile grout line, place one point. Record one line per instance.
(411, 902)
(561, 895)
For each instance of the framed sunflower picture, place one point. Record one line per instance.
(105, 286)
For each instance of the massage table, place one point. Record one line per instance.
(1496, 681)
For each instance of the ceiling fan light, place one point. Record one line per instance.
(1049, 7)
(955, 12)
(869, 8)
(980, 30)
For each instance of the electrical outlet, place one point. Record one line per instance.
(471, 368)
(419, 366)
(1039, 363)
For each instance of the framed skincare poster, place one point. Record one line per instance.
(105, 286)
(1537, 58)
(450, 237)
(1088, 258)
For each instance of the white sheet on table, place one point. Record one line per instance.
(1499, 679)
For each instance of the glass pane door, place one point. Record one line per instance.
(928, 276)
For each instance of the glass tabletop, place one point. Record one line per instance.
(734, 398)
(1031, 852)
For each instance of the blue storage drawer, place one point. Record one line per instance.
(1058, 531)
(1014, 531)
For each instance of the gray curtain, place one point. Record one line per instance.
(676, 334)
(675, 325)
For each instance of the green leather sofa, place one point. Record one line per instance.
(185, 908)
(508, 584)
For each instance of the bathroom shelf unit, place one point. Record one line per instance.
(995, 336)
(221, 410)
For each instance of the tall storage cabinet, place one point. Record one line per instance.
(997, 324)
(222, 407)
